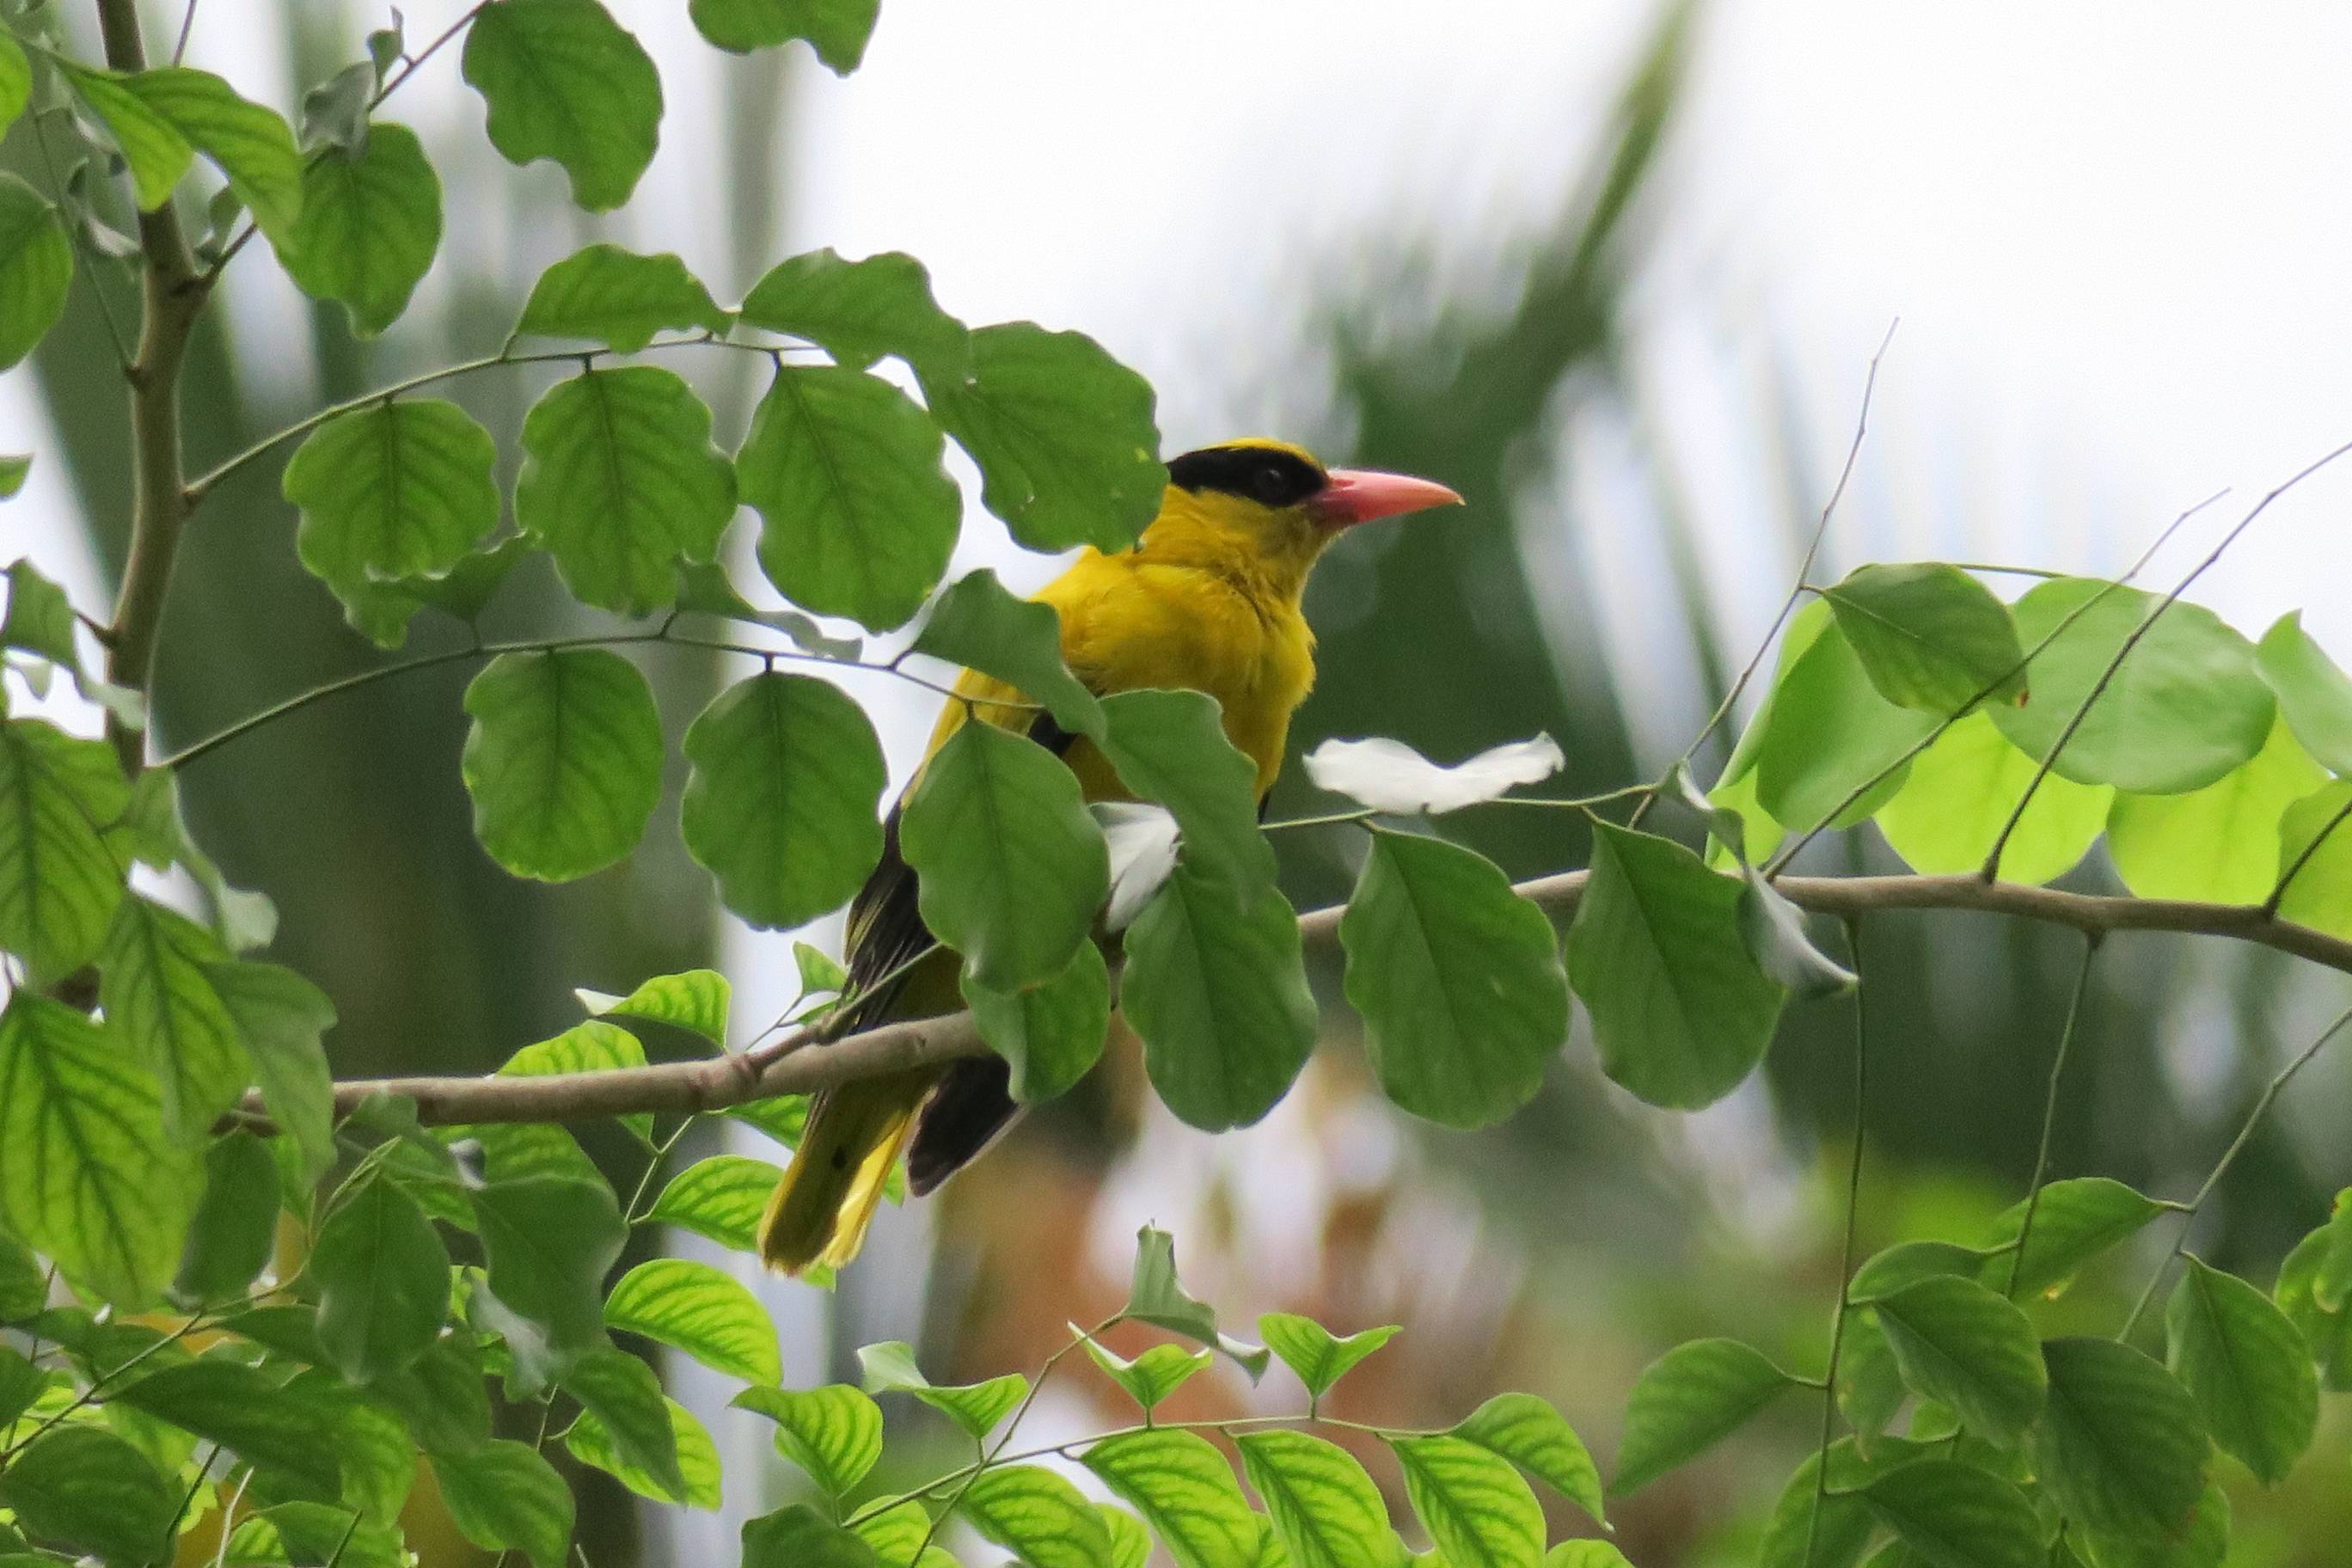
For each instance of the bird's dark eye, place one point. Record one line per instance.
(1274, 485)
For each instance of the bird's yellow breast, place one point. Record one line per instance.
(1130, 622)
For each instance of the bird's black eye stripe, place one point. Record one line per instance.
(1267, 475)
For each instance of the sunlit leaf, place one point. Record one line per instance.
(282, 1017)
(2316, 840)
(1830, 733)
(858, 311)
(61, 865)
(1035, 1513)
(1156, 1296)
(859, 517)
(696, 1461)
(1185, 1490)
(722, 1197)
(564, 760)
(1062, 435)
(401, 488)
(1389, 775)
(1320, 1357)
(158, 116)
(16, 81)
(1474, 1505)
(1457, 978)
(620, 483)
(563, 80)
(1957, 797)
(1326, 1510)
(693, 1307)
(84, 1487)
(1151, 1377)
(2220, 844)
(88, 1176)
(618, 298)
(35, 268)
(1533, 1436)
(2184, 709)
(155, 980)
(1680, 1011)
(781, 803)
(833, 1433)
(624, 1396)
(1688, 1400)
(799, 1537)
(2314, 696)
(370, 223)
(2248, 1368)
(889, 1367)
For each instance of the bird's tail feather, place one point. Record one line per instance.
(855, 1134)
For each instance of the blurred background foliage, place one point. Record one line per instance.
(1557, 1253)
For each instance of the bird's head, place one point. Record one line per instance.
(1270, 508)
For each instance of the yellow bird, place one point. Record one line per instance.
(1208, 599)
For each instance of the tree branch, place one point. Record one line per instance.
(172, 294)
(803, 1062)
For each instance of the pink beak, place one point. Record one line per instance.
(1351, 496)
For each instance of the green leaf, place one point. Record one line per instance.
(2216, 845)
(377, 1454)
(1474, 1506)
(2074, 1222)
(563, 80)
(85, 1488)
(620, 483)
(836, 29)
(287, 1431)
(694, 1456)
(281, 1016)
(722, 1197)
(370, 223)
(780, 804)
(2121, 1446)
(40, 617)
(1157, 1297)
(1688, 1400)
(859, 516)
(633, 1424)
(160, 118)
(2332, 1288)
(895, 1535)
(86, 1175)
(1171, 747)
(395, 490)
(1050, 1034)
(155, 153)
(980, 624)
(617, 297)
(2311, 835)
(1928, 636)
(1457, 977)
(1952, 1515)
(504, 1497)
(155, 980)
(16, 81)
(1792, 1539)
(693, 1307)
(1035, 1513)
(441, 1396)
(1326, 1512)
(2247, 1366)
(23, 1290)
(35, 268)
(977, 1407)
(692, 999)
(833, 1433)
(1151, 1377)
(1533, 1436)
(383, 1282)
(2314, 696)
(2185, 707)
(1958, 798)
(316, 1531)
(61, 867)
(1588, 1554)
(1218, 997)
(548, 1241)
(1320, 1357)
(858, 311)
(1185, 1491)
(1011, 869)
(564, 760)
(799, 1537)
(1062, 435)
(704, 588)
(234, 1231)
(1830, 731)
(14, 466)
(1680, 1011)
(1130, 1543)
(593, 1047)
(1908, 1262)
(2202, 1544)
(335, 112)
(1961, 1345)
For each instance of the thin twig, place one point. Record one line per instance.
(1853, 1216)
(991, 1456)
(187, 26)
(1791, 850)
(2148, 622)
(2229, 1157)
(2050, 1110)
(1788, 606)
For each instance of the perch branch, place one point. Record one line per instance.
(802, 1061)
